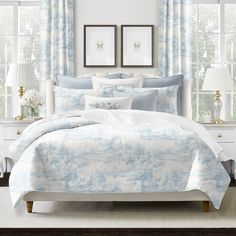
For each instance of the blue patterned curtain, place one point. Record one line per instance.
(57, 38)
(175, 32)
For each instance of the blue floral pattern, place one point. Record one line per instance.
(175, 38)
(57, 38)
(71, 154)
(167, 99)
(70, 99)
(105, 105)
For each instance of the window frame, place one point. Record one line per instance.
(15, 4)
(222, 53)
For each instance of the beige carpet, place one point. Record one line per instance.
(124, 215)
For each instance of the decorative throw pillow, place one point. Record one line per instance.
(167, 99)
(165, 82)
(120, 75)
(100, 83)
(143, 99)
(70, 99)
(108, 103)
(81, 82)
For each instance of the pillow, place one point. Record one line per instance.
(108, 103)
(149, 76)
(99, 83)
(165, 82)
(167, 99)
(120, 75)
(70, 99)
(143, 99)
(82, 82)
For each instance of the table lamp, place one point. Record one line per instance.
(217, 79)
(22, 76)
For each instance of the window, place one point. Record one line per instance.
(19, 43)
(214, 44)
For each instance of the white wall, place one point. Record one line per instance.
(116, 12)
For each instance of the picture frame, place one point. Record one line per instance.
(100, 42)
(137, 45)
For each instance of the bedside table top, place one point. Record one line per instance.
(226, 124)
(13, 121)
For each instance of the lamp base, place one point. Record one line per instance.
(218, 121)
(217, 106)
(20, 117)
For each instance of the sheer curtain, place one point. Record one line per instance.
(175, 43)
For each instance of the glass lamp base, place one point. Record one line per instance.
(218, 121)
(20, 117)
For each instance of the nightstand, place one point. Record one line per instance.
(225, 135)
(10, 130)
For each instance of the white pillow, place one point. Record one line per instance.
(99, 83)
(108, 103)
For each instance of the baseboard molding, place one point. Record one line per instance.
(120, 232)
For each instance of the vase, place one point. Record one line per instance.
(32, 112)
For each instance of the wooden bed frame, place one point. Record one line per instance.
(194, 195)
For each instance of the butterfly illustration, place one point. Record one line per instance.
(100, 45)
(137, 45)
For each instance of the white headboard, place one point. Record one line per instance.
(187, 108)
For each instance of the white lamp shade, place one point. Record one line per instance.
(217, 79)
(21, 75)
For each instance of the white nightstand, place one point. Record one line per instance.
(10, 130)
(225, 135)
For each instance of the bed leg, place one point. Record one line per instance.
(29, 206)
(206, 206)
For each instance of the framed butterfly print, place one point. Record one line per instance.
(100, 45)
(137, 45)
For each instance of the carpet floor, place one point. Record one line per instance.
(118, 215)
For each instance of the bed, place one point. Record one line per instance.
(114, 147)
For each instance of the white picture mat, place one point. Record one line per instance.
(142, 35)
(106, 56)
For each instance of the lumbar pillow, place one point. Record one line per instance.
(81, 82)
(100, 83)
(70, 99)
(108, 103)
(143, 99)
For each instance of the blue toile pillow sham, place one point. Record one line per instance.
(176, 86)
(70, 99)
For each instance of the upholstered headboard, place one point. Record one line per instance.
(187, 110)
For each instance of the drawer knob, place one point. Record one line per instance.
(18, 132)
(220, 135)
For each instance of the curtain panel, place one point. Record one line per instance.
(57, 38)
(175, 33)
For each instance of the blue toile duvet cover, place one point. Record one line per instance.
(98, 151)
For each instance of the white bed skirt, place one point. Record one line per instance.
(194, 195)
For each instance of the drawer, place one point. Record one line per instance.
(223, 136)
(229, 149)
(4, 148)
(11, 133)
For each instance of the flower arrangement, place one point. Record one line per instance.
(32, 100)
